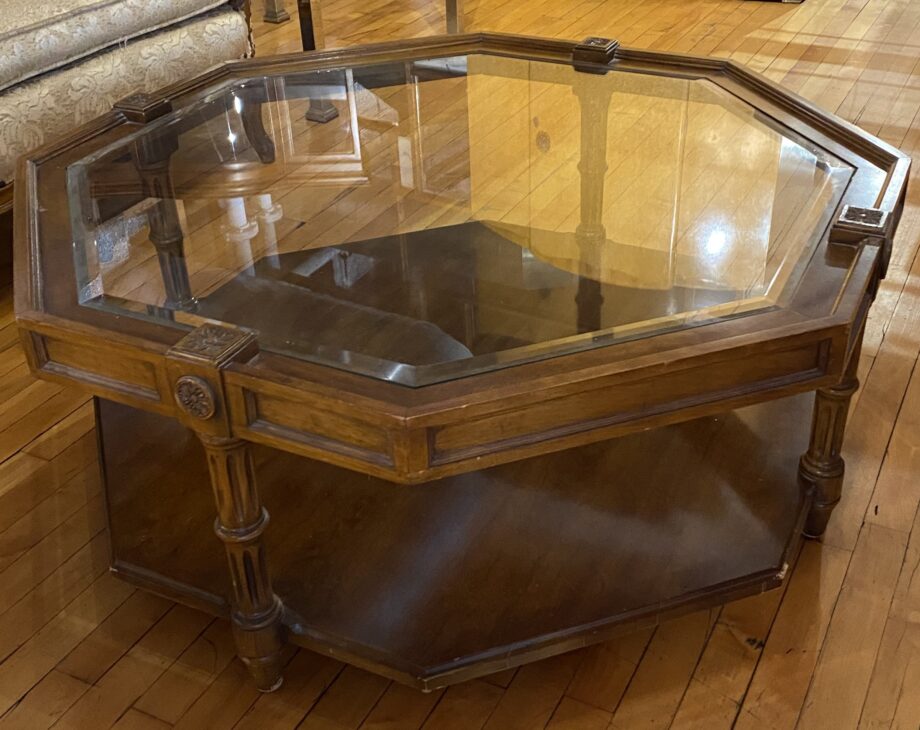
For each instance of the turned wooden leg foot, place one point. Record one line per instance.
(821, 468)
(256, 612)
(258, 644)
(826, 481)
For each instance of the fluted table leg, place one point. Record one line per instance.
(241, 520)
(822, 466)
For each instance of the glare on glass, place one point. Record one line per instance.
(423, 221)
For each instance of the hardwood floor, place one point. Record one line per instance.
(838, 647)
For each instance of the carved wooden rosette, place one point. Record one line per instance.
(195, 364)
(822, 467)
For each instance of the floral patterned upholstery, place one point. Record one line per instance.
(50, 105)
(40, 35)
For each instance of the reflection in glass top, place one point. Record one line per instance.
(422, 221)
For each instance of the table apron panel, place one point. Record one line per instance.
(122, 374)
(622, 402)
(269, 418)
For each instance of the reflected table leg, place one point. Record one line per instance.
(320, 110)
(258, 136)
(307, 29)
(275, 12)
(152, 160)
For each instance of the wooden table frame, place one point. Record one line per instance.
(215, 380)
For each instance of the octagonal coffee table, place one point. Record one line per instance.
(482, 321)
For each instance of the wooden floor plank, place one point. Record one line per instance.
(48, 515)
(401, 708)
(657, 688)
(225, 701)
(309, 676)
(605, 670)
(18, 474)
(45, 702)
(466, 706)
(777, 691)
(26, 481)
(531, 699)
(114, 693)
(41, 605)
(136, 720)
(38, 655)
(109, 641)
(574, 715)
(896, 495)
(25, 429)
(841, 679)
(43, 559)
(180, 686)
(893, 699)
(52, 442)
(724, 672)
(348, 701)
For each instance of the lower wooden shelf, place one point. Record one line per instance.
(440, 582)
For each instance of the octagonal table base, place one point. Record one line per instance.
(441, 582)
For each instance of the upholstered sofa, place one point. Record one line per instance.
(63, 62)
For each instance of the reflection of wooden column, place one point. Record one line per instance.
(822, 467)
(590, 235)
(194, 365)
(152, 154)
(320, 110)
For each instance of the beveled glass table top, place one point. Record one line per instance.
(426, 220)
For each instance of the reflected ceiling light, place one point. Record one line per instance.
(716, 242)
